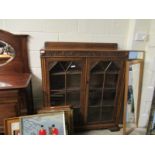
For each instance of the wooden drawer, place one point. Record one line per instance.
(9, 100)
(7, 110)
(8, 94)
(8, 106)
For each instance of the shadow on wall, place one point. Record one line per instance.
(37, 92)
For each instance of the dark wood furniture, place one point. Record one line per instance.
(87, 76)
(15, 80)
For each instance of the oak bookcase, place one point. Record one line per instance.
(87, 76)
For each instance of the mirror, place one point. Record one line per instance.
(132, 97)
(7, 53)
(136, 55)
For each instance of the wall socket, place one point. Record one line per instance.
(141, 36)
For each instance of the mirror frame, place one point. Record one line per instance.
(127, 65)
(11, 57)
(20, 63)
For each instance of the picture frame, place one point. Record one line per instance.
(12, 126)
(67, 109)
(151, 124)
(43, 124)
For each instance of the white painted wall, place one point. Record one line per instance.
(148, 27)
(149, 75)
(103, 30)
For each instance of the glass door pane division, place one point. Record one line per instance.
(101, 69)
(107, 111)
(118, 92)
(73, 84)
(113, 86)
(65, 78)
(96, 81)
(97, 84)
(57, 84)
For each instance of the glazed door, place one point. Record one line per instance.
(102, 86)
(67, 85)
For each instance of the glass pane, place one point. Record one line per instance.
(114, 66)
(111, 80)
(77, 117)
(136, 55)
(95, 98)
(94, 114)
(57, 82)
(96, 80)
(73, 98)
(65, 82)
(7, 53)
(132, 95)
(109, 97)
(132, 100)
(73, 81)
(107, 113)
(56, 67)
(102, 90)
(130, 116)
(65, 64)
(75, 67)
(99, 66)
(57, 99)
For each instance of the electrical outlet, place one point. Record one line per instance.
(141, 36)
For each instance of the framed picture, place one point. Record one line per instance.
(12, 126)
(68, 115)
(43, 124)
(151, 124)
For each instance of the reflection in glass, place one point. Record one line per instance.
(132, 97)
(7, 53)
(102, 90)
(65, 81)
(130, 115)
(136, 55)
